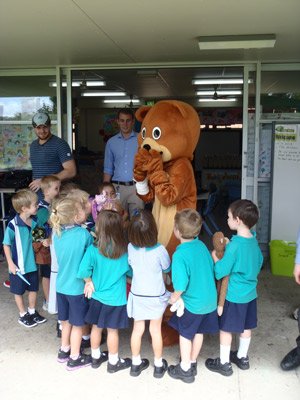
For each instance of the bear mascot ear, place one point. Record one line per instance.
(142, 112)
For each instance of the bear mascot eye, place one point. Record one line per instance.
(156, 133)
(143, 133)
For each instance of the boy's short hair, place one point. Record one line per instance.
(47, 181)
(23, 198)
(246, 211)
(188, 222)
(67, 187)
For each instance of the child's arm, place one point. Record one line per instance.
(175, 296)
(11, 265)
(88, 288)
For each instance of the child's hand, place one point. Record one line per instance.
(89, 289)
(173, 298)
(220, 310)
(12, 268)
(178, 306)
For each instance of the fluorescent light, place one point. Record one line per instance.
(102, 94)
(220, 81)
(219, 92)
(78, 83)
(219, 100)
(134, 101)
(236, 42)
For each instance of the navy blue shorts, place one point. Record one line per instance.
(190, 324)
(18, 286)
(104, 316)
(72, 308)
(45, 270)
(237, 317)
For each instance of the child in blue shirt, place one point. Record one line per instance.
(50, 186)
(194, 283)
(70, 242)
(19, 253)
(104, 268)
(242, 261)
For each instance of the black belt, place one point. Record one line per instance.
(130, 183)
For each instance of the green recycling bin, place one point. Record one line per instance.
(282, 255)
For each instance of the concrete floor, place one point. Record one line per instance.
(29, 370)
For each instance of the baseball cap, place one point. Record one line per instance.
(41, 118)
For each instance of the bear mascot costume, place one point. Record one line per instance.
(163, 171)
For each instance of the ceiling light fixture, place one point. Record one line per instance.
(78, 83)
(236, 42)
(125, 101)
(220, 100)
(220, 81)
(102, 94)
(219, 92)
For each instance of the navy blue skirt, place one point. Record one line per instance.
(104, 316)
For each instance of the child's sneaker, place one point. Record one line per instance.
(83, 360)
(85, 344)
(242, 363)
(176, 372)
(96, 362)
(136, 370)
(194, 368)
(39, 319)
(63, 356)
(160, 371)
(6, 283)
(27, 321)
(121, 364)
(214, 364)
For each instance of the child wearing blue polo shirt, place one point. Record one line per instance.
(242, 261)
(194, 284)
(50, 186)
(104, 268)
(70, 242)
(19, 254)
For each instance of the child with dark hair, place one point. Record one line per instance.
(242, 261)
(148, 297)
(104, 268)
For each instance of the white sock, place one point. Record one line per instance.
(31, 310)
(74, 357)
(113, 358)
(65, 348)
(158, 362)
(136, 360)
(22, 314)
(96, 353)
(224, 353)
(86, 337)
(193, 361)
(185, 366)
(243, 347)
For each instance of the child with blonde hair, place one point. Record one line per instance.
(70, 242)
(104, 268)
(148, 297)
(17, 245)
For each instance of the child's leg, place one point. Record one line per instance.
(32, 300)
(75, 341)
(136, 338)
(185, 352)
(96, 334)
(46, 288)
(157, 342)
(225, 345)
(20, 304)
(196, 346)
(113, 345)
(65, 335)
(244, 344)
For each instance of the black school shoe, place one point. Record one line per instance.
(176, 372)
(63, 356)
(214, 364)
(194, 368)
(136, 370)
(39, 319)
(27, 321)
(242, 363)
(83, 360)
(291, 360)
(96, 362)
(125, 363)
(160, 371)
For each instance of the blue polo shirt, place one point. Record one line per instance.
(193, 273)
(69, 248)
(119, 157)
(18, 236)
(108, 276)
(47, 159)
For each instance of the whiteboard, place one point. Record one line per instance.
(285, 210)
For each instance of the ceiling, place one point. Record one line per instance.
(139, 34)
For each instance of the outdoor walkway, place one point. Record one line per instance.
(28, 367)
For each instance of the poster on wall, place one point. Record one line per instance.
(15, 140)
